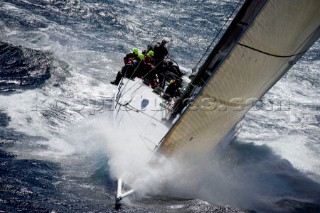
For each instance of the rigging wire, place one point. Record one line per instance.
(131, 108)
(144, 76)
(164, 23)
(159, 31)
(215, 38)
(154, 39)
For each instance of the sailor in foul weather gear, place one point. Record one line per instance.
(126, 71)
(140, 67)
(172, 90)
(133, 54)
(130, 61)
(172, 72)
(149, 76)
(160, 52)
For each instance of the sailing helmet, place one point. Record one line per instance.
(150, 53)
(135, 51)
(141, 56)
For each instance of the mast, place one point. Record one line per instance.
(261, 44)
(240, 23)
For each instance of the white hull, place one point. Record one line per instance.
(139, 109)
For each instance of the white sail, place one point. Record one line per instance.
(274, 36)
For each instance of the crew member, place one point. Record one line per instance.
(160, 51)
(172, 90)
(133, 54)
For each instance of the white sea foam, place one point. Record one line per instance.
(288, 139)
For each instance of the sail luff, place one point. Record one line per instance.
(238, 26)
(283, 28)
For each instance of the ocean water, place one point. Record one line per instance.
(60, 153)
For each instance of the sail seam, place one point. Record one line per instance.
(270, 54)
(227, 103)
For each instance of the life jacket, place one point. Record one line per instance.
(128, 57)
(132, 60)
(153, 84)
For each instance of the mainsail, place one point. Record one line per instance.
(262, 43)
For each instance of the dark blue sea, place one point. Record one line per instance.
(58, 152)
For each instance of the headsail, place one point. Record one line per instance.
(263, 42)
